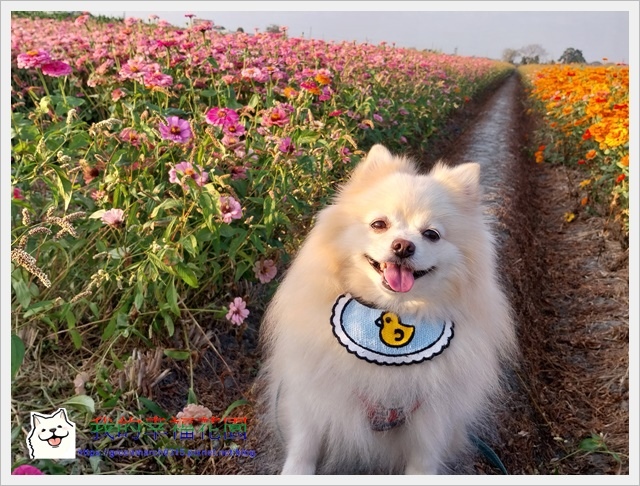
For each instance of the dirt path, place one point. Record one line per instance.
(569, 287)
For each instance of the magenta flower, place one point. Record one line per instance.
(17, 193)
(378, 118)
(176, 129)
(186, 169)
(238, 311)
(265, 270)
(230, 209)
(27, 469)
(114, 217)
(56, 69)
(222, 117)
(286, 146)
(33, 59)
(235, 129)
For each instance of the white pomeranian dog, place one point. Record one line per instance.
(385, 341)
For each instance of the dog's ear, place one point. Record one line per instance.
(61, 413)
(464, 179)
(378, 163)
(35, 420)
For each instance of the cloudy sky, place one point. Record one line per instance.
(485, 33)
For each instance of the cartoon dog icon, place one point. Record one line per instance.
(52, 436)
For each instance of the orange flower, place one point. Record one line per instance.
(591, 154)
(584, 201)
(620, 178)
(624, 161)
(289, 92)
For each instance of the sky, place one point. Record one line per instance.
(597, 34)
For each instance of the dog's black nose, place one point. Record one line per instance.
(403, 248)
(52, 430)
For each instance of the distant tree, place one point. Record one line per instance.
(510, 55)
(533, 54)
(240, 29)
(572, 55)
(273, 29)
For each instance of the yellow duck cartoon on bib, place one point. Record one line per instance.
(393, 332)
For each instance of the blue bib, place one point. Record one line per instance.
(385, 338)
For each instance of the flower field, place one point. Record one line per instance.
(586, 116)
(165, 174)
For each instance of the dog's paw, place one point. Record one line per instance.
(297, 467)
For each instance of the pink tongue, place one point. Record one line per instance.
(54, 441)
(398, 277)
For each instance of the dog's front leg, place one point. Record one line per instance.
(303, 448)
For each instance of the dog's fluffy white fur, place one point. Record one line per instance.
(314, 386)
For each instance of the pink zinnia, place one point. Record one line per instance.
(176, 129)
(27, 469)
(222, 117)
(81, 20)
(229, 140)
(17, 193)
(132, 136)
(185, 168)
(230, 209)
(235, 129)
(275, 116)
(265, 270)
(56, 69)
(378, 118)
(133, 69)
(114, 217)
(117, 93)
(238, 311)
(286, 146)
(238, 172)
(157, 79)
(33, 59)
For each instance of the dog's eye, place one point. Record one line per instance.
(43, 430)
(59, 426)
(379, 225)
(431, 235)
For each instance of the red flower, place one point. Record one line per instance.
(586, 135)
(582, 162)
(620, 178)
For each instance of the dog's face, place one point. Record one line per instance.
(402, 236)
(53, 429)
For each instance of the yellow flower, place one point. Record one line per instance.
(568, 217)
(585, 183)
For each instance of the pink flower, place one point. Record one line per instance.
(157, 79)
(17, 193)
(238, 172)
(229, 140)
(335, 113)
(377, 118)
(114, 217)
(238, 311)
(33, 59)
(27, 469)
(286, 146)
(132, 136)
(81, 20)
(117, 93)
(133, 69)
(56, 69)
(275, 116)
(222, 117)
(254, 73)
(230, 209)
(235, 129)
(265, 270)
(176, 129)
(185, 168)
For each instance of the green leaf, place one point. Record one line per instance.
(153, 407)
(22, 292)
(592, 444)
(190, 244)
(17, 354)
(236, 243)
(64, 185)
(38, 307)
(84, 403)
(111, 328)
(15, 432)
(178, 354)
(254, 101)
(208, 93)
(233, 406)
(172, 297)
(191, 397)
(168, 323)
(186, 274)
(240, 270)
